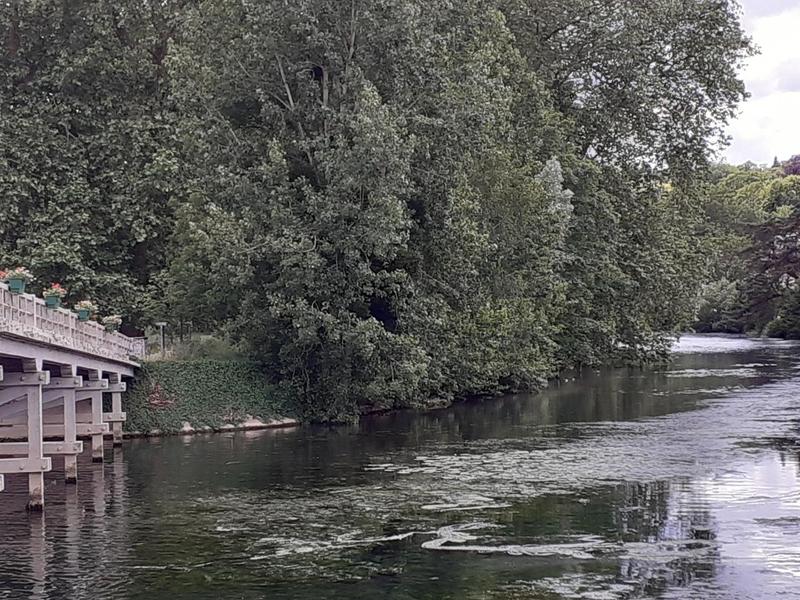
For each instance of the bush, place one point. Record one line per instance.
(718, 307)
(787, 324)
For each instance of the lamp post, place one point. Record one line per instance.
(161, 325)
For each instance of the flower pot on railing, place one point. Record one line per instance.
(85, 308)
(53, 295)
(16, 279)
(112, 323)
(16, 286)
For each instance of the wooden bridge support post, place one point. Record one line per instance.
(116, 431)
(35, 437)
(28, 384)
(71, 435)
(97, 418)
(63, 389)
(92, 390)
(35, 449)
(116, 417)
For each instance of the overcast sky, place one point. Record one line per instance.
(768, 124)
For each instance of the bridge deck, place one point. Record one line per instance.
(26, 317)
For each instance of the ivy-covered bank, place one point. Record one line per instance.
(204, 393)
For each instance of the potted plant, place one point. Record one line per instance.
(112, 322)
(17, 279)
(53, 295)
(85, 309)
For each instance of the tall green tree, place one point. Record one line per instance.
(86, 159)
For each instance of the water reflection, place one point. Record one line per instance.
(676, 482)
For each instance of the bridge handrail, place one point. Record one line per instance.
(27, 316)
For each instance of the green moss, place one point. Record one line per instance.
(166, 394)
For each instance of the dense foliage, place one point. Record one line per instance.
(384, 201)
(754, 220)
(86, 157)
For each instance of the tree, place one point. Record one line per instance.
(792, 166)
(752, 224)
(87, 164)
(643, 83)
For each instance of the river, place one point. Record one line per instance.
(680, 482)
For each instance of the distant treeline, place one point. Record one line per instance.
(383, 201)
(754, 230)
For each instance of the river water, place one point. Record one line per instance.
(681, 482)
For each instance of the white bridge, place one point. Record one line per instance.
(54, 371)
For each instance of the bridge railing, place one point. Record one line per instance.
(27, 316)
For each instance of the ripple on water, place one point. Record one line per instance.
(717, 344)
(737, 372)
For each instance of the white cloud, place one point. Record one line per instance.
(765, 8)
(767, 125)
(766, 128)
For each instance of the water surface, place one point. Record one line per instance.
(679, 482)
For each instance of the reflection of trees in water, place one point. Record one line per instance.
(788, 447)
(789, 452)
(643, 512)
(652, 521)
(607, 395)
(666, 516)
(658, 511)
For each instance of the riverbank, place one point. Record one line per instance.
(194, 396)
(198, 396)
